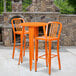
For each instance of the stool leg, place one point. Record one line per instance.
(46, 53)
(14, 47)
(24, 45)
(21, 52)
(21, 48)
(49, 57)
(58, 54)
(19, 58)
(36, 54)
(37, 49)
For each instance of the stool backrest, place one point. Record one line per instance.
(16, 24)
(53, 29)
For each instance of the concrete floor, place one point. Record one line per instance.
(10, 67)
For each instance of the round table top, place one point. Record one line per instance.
(34, 24)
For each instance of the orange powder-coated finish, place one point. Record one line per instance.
(50, 34)
(16, 24)
(33, 32)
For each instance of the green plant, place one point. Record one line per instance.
(1, 6)
(73, 4)
(8, 6)
(25, 4)
(64, 7)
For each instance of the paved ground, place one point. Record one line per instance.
(10, 67)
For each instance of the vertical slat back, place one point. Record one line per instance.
(47, 30)
(16, 24)
(53, 29)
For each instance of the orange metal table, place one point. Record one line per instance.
(33, 32)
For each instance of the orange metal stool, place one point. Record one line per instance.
(16, 24)
(51, 32)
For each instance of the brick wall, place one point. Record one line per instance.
(68, 35)
(1, 19)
